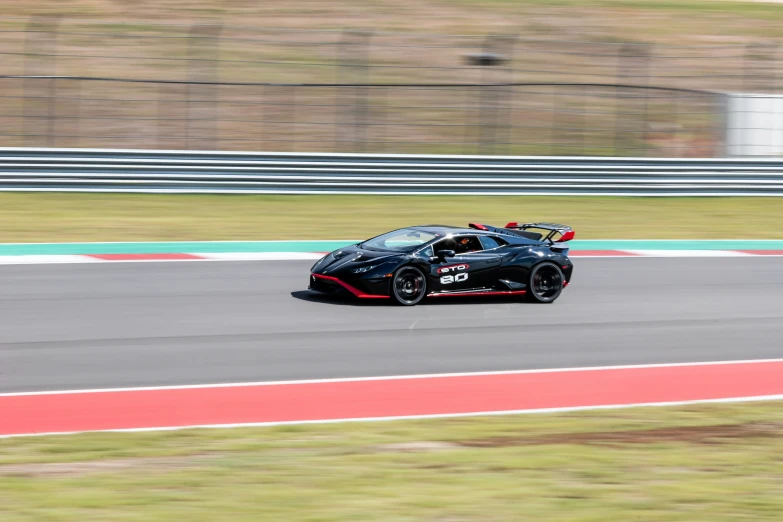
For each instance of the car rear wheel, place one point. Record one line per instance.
(546, 283)
(408, 286)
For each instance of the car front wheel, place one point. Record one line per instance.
(408, 286)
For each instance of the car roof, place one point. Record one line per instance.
(508, 235)
(448, 229)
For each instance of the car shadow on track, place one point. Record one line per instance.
(339, 300)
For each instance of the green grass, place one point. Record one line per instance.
(702, 463)
(113, 217)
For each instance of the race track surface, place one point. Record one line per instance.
(149, 324)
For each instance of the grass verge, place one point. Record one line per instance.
(114, 217)
(707, 462)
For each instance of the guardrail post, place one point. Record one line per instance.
(203, 91)
(40, 64)
(353, 74)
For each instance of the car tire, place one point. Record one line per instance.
(408, 286)
(545, 283)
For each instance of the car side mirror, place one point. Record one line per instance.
(443, 254)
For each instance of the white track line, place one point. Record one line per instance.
(46, 259)
(393, 377)
(297, 256)
(688, 253)
(259, 256)
(352, 241)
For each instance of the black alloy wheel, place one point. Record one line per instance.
(408, 286)
(546, 283)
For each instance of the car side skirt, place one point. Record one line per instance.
(478, 292)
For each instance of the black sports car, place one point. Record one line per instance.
(411, 263)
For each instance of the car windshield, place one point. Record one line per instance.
(404, 240)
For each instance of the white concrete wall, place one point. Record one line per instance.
(755, 125)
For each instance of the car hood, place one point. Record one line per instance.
(351, 257)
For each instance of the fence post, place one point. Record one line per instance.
(496, 91)
(353, 75)
(759, 74)
(759, 67)
(160, 130)
(632, 76)
(202, 90)
(507, 109)
(40, 62)
(76, 116)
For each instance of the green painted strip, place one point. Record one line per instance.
(676, 244)
(20, 249)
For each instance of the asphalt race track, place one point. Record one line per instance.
(147, 324)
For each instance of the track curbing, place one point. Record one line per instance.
(234, 405)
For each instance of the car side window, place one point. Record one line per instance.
(445, 244)
(488, 243)
(426, 252)
(467, 244)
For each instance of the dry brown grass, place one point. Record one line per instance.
(564, 40)
(691, 21)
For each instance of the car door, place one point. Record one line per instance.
(466, 270)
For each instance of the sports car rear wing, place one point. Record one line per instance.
(551, 230)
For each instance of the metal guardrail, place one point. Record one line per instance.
(151, 171)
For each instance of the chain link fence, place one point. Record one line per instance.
(207, 86)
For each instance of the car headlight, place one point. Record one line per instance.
(317, 263)
(363, 269)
